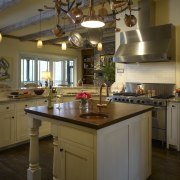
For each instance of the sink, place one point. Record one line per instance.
(92, 115)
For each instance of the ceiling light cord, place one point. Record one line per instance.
(40, 43)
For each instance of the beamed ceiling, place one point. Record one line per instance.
(20, 19)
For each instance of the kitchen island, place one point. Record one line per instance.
(116, 146)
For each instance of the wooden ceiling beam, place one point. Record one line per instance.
(66, 28)
(84, 35)
(48, 14)
(7, 3)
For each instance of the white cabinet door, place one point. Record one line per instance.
(7, 126)
(22, 131)
(76, 163)
(139, 144)
(45, 127)
(173, 125)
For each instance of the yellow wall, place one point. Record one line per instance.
(10, 49)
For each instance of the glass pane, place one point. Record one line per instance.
(58, 73)
(43, 65)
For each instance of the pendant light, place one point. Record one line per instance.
(0, 37)
(99, 46)
(64, 46)
(92, 21)
(40, 43)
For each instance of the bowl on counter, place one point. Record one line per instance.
(39, 91)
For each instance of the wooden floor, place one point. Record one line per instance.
(14, 162)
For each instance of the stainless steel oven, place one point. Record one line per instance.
(159, 120)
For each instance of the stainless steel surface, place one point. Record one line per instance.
(159, 120)
(147, 45)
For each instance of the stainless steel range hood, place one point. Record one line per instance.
(146, 44)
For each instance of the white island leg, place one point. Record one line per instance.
(34, 170)
(56, 163)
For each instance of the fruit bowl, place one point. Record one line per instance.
(39, 91)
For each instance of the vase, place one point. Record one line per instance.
(83, 103)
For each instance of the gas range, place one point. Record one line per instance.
(141, 99)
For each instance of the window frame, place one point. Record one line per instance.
(51, 59)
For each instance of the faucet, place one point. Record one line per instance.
(80, 82)
(100, 95)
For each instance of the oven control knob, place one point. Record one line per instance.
(127, 100)
(142, 102)
(160, 103)
(123, 100)
(119, 99)
(131, 100)
(115, 99)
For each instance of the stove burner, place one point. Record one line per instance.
(163, 96)
(127, 94)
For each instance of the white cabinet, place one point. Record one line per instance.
(45, 128)
(173, 125)
(119, 151)
(7, 124)
(22, 131)
(76, 162)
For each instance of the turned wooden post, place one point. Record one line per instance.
(34, 170)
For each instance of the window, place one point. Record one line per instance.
(62, 71)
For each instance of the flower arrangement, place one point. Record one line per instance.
(83, 96)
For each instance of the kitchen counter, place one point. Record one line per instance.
(70, 112)
(176, 99)
(116, 147)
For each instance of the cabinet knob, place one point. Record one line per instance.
(7, 107)
(173, 106)
(26, 105)
(12, 117)
(61, 149)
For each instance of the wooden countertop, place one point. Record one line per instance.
(70, 112)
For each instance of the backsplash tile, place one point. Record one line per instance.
(162, 72)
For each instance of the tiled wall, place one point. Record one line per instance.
(164, 72)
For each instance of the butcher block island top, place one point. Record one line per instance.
(110, 143)
(70, 112)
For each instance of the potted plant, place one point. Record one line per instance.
(109, 72)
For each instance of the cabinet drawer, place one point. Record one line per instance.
(7, 107)
(25, 104)
(77, 136)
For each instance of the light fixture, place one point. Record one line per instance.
(46, 75)
(99, 46)
(40, 43)
(0, 37)
(64, 46)
(92, 21)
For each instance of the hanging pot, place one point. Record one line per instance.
(75, 15)
(76, 39)
(130, 20)
(57, 31)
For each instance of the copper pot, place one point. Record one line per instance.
(57, 31)
(75, 15)
(130, 20)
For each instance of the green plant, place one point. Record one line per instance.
(109, 72)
